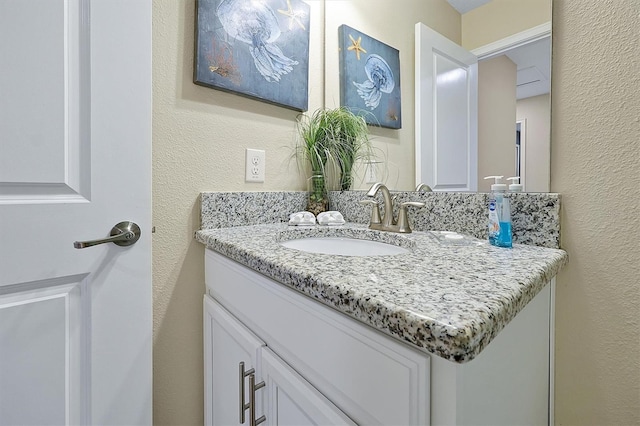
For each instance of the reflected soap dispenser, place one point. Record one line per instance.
(515, 186)
(499, 214)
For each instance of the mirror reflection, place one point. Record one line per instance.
(512, 43)
(528, 53)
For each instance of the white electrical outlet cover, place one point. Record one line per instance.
(255, 165)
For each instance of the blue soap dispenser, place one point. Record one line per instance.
(499, 214)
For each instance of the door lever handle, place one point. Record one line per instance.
(122, 234)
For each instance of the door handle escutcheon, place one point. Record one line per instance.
(122, 234)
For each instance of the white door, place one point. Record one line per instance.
(290, 400)
(75, 159)
(446, 113)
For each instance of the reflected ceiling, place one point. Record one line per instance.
(463, 6)
(534, 68)
(533, 60)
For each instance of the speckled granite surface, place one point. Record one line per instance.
(449, 300)
(225, 209)
(535, 217)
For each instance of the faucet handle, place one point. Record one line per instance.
(403, 219)
(375, 210)
(423, 187)
(412, 204)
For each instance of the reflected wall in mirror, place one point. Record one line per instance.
(512, 43)
(524, 60)
(391, 23)
(476, 29)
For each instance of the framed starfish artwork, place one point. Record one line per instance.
(370, 78)
(258, 49)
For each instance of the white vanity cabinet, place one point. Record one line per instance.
(227, 344)
(291, 400)
(246, 381)
(322, 367)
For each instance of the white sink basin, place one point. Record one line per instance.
(343, 246)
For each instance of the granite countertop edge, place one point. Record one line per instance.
(446, 300)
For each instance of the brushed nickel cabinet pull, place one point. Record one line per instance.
(242, 375)
(252, 401)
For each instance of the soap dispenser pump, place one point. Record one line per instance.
(515, 186)
(499, 214)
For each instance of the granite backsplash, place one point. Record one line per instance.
(535, 216)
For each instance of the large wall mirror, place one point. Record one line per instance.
(512, 42)
(525, 56)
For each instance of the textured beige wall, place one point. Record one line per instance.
(199, 138)
(502, 18)
(595, 164)
(536, 111)
(496, 120)
(386, 21)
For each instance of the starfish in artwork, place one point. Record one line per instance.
(356, 46)
(294, 16)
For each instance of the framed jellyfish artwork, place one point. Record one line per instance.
(258, 49)
(370, 78)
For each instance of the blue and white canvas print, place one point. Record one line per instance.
(370, 78)
(256, 48)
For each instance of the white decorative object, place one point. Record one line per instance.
(302, 219)
(331, 218)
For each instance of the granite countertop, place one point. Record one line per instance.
(447, 299)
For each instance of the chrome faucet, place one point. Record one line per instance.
(387, 223)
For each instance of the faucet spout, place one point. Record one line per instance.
(387, 223)
(387, 219)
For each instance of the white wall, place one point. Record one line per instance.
(536, 112)
(496, 120)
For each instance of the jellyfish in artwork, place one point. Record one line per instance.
(380, 80)
(256, 24)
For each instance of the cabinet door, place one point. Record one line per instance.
(290, 400)
(226, 343)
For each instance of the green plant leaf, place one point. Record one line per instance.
(336, 136)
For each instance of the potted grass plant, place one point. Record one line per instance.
(330, 142)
